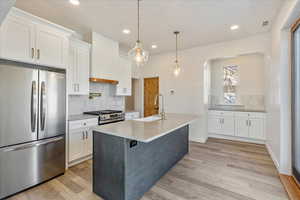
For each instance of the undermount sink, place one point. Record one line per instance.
(148, 119)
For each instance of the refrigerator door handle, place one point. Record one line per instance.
(43, 105)
(33, 106)
(31, 145)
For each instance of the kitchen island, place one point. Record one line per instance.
(131, 156)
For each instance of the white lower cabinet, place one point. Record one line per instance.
(240, 124)
(241, 127)
(256, 128)
(81, 140)
(221, 123)
(76, 145)
(228, 125)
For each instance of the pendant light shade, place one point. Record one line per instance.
(138, 54)
(177, 68)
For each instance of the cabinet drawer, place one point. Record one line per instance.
(83, 123)
(221, 113)
(250, 114)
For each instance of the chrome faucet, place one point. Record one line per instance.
(156, 102)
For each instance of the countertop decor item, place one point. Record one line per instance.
(138, 54)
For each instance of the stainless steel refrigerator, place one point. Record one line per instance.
(32, 125)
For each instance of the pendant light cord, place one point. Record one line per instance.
(138, 13)
(176, 33)
(176, 47)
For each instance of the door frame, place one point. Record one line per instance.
(294, 27)
(143, 94)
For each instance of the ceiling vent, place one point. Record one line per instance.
(265, 23)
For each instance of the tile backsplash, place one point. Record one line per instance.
(108, 100)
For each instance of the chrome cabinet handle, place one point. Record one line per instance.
(83, 135)
(43, 105)
(38, 54)
(33, 105)
(32, 53)
(87, 135)
(249, 122)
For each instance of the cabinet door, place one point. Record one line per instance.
(256, 128)
(83, 69)
(52, 47)
(89, 142)
(76, 144)
(227, 125)
(72, 71)
(241, 127)
(214, 124)
(125, 81)
(17, 39)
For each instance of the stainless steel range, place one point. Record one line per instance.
(108, 116)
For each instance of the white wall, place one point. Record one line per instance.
(278, 96)
(251, 79)
(189, 86)
(5, 6)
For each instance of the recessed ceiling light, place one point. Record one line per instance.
(74, 2)
(234, 27)
(154, 46)
(126, 31)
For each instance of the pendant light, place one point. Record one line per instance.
(176, 67)
(138, 54)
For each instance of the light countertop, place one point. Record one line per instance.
(81, 117)
(237, 110)
(146, 131)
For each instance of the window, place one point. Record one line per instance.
(230, 83)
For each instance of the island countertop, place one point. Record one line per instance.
(146, 131)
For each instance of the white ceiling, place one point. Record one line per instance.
(200, 21)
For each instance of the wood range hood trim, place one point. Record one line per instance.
(101, 80)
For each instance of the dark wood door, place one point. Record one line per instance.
(151, 90)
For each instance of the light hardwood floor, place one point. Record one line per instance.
(217, 170)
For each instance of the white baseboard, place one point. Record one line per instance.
(228, 137)
(80, 160)
(273, 157)
(200, 140)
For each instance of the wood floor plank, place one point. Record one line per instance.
(217, 170)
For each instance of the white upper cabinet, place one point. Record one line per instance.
(17, 39)
(105, 57)
(51, 46)
(30, 39)
(125, 69)
(78, 67)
